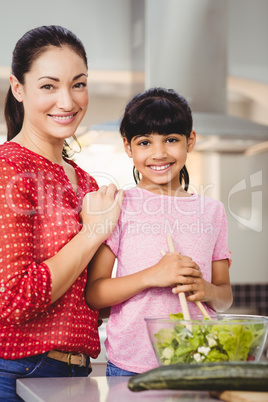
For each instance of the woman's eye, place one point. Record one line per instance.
(80, 85)
(47, 87)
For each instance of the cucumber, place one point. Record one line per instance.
(204, 377)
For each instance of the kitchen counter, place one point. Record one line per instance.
(97, 389)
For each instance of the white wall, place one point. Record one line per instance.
(102, 25)
(247, 39)
(240, 182)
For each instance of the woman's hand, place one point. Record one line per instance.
(101, 210)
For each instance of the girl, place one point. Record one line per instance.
(157, 134)
(47, 235)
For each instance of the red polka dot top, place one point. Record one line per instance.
(39, 214)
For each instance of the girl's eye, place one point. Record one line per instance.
(48, 87)
(171, 139)
(144, 143)
(80, 85)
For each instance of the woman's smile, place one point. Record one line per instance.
(64, 119)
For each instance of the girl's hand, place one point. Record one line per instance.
(101, 210)
(199, 290)
(217, 294)
(174, 268)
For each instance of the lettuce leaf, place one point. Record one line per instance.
(236, 340)
(226, 341)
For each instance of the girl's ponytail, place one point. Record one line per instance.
(14, 114)
(184, 177)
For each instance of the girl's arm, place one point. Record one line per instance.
(218, 294)
(221, 291)
(103, 291)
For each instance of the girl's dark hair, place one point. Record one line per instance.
(161, 111)
(27, 50)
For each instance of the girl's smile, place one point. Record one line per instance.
(159, 158)
(160, 168)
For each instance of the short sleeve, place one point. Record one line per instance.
(114, 240)
(221, 249)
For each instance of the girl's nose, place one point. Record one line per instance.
(159, 151)
(65, 100)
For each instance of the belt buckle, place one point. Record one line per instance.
(83, 360)
(69, 359)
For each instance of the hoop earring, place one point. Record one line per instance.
(136, 175)
(68, 151)
(78, 143)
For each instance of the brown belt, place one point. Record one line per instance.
(78, 359)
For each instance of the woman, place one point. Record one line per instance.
(52, 216)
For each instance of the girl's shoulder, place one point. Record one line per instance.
(210, 206)
(209, 201)
(192, 201)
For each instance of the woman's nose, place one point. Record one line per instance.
(65, 100)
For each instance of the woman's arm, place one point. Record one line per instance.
(218, 294)
(103, 291)
(28, 288)
(99, 215)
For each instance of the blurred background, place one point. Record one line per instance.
(215, 53)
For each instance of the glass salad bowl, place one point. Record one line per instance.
(223, 338)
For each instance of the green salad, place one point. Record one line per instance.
(207, 343)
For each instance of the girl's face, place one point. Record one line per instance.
(54, 95)
(160, 158)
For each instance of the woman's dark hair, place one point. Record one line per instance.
(161, 111)
(27, 50)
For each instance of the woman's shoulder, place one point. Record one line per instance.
(9, 152)
(16, 156)
(4, 146)
(85, 177)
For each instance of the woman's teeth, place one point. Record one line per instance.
(63, 117)
(160, 167)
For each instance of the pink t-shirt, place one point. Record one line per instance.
(199, 230)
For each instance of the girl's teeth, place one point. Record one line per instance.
(160, 167)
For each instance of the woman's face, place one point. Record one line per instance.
(55, 94)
